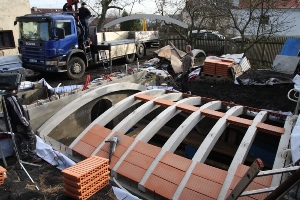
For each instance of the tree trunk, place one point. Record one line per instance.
(101, 20)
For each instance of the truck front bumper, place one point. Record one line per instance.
(46, 68)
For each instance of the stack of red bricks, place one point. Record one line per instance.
(2, 175)
(217, 67)
(86, 177)
(210, 66)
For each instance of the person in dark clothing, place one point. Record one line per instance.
(187, 63)
(24, 137)
(65, 7)
(84, 14)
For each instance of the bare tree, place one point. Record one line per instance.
(101, 7)
(258, 20)
(198, 14)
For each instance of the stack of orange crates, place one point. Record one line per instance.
(86, 177)
(2, 175)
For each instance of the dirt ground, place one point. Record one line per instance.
(257, 96)
(49, 179)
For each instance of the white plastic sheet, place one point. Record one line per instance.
(295, 141)
(123, 195)
(7, 147)
(43, 150)
(236, 57)
(296, 80)
(52, 156)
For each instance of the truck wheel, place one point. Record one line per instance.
(140, 48)
(76, 68)
(129, 58)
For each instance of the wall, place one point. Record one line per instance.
(9, 10)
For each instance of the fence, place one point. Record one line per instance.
(260, 54)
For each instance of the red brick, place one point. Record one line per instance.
(92, 139)
(188, 194)
(139, 159)
(83, 148)
(146, 149)
(160, 186)
(204, 186)
(210, 173)
(143, 97)
(100, 131)
(267, 128)
(168, 173)
(125, 140)
(187, 108)
(164, 102)
(176, 161)
(239, 121)
(87, 167)
(263, 180)
(131, 171)
(212, 113)
(241, 170)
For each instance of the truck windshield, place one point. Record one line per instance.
(34, 31)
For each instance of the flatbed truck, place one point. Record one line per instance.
(53, 42)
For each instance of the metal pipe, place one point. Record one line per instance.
(285, 186)
(28, 175)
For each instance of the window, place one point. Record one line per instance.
(7, 39)
(66, 25)
(34, 31)
(212, 36)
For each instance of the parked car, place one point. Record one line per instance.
(238, 39)
(210, 42)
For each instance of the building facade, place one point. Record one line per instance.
(9, 33)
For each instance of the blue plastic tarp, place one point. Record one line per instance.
(291, 47)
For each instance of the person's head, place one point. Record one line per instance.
(83, 4)
(188, 48)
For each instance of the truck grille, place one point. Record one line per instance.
(33, 54)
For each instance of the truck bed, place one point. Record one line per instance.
(117, 42)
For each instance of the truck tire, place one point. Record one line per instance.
(76, 68)
(140, 48)
(129, 58)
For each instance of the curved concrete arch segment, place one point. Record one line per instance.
(142, 111)
(147, 16)
(137, 115)
(242, 152)
(115, 110)
(214, 134)
(62, 114)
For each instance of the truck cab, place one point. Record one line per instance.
(52, 43)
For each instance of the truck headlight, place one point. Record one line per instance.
(51, 62)
(62, 63)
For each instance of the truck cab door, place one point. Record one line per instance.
(70, 41)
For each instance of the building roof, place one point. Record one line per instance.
(282, 4)
(35, 10)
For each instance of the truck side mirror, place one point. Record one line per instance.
(60, 33)
(15, 23)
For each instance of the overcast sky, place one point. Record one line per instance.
(146, 8)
